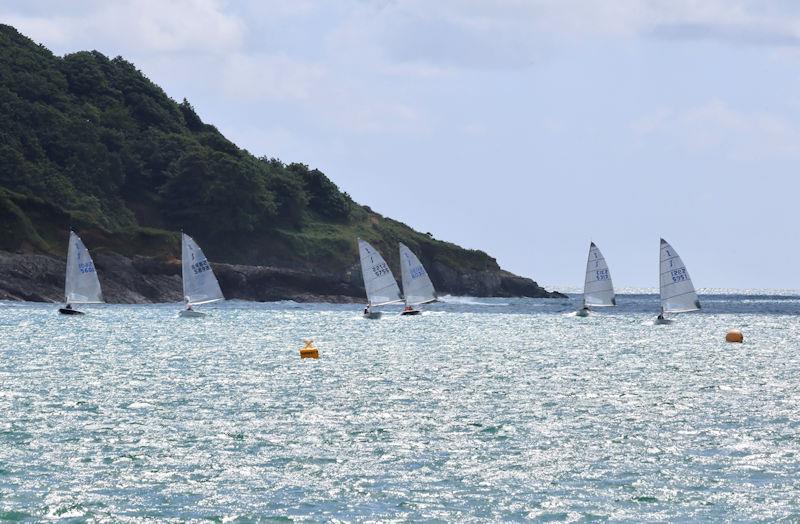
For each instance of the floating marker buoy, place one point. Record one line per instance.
(734, 335)
(309, 351)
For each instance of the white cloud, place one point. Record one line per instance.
(484, 34)
(715, 126)
(134, 26)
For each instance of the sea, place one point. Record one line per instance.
(477, 410)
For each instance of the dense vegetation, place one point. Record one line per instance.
(89, 142)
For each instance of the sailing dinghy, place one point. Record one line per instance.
(379, 282)
(598, 290)
(417, 285)
(677, 291)
(81, 285)
(200, 286)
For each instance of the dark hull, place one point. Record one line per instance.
(413, 312)
(65, 311)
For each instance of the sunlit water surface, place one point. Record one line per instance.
(480, 409)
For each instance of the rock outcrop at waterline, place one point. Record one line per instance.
(40, 278)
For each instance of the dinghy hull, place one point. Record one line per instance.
(412, 312)
(373, 315)
(65, 311)
(189, 313)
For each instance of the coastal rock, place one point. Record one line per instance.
(486, 283)
(263, 283)
(138, 280)
(37, 278)
(40, 278)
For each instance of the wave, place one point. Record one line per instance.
(469, 301)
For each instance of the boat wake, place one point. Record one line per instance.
(469, 301)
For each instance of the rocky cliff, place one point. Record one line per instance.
(157, 279)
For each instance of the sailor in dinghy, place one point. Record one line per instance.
(675, 286)
(417, 285)
(598, 290)
(81, 285)
(200, 286)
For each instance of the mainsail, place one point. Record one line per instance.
(378, 279)
(82, 285)
(417, 285)
(677, 292)
(598, 290)
(200, 286)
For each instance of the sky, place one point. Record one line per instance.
(526, 129)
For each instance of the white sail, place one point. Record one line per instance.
(598, 290)
(82, 285)
(417, 285)
(677, 291)
(200, 286)
(378, 279)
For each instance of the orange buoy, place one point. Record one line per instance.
(309, 351)
(734, 335)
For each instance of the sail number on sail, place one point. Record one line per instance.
(602, 274)
(199, 267)
(380, 269)
(417, 272)
(86, 267)
(679, 274)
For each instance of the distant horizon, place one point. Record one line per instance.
(627, 290)
(522, 130)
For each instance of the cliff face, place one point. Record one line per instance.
(150, 279)
(88, 142)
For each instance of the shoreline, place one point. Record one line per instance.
(148, 280)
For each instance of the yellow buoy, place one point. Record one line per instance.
(734, 335)
(309, 351)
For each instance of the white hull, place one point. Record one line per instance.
(190, 313)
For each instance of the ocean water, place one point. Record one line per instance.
(477, 410)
